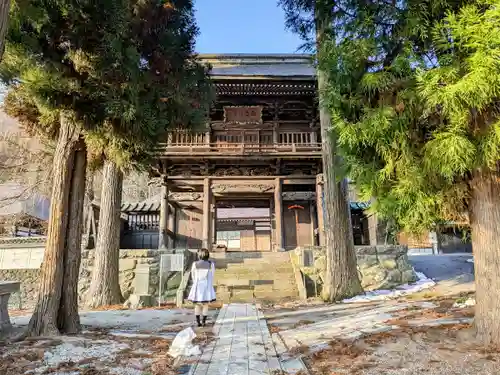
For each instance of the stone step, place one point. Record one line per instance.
(275, 296)
(266, 268)
(249, 254)
(255, 284)
(268, 273)
(250, 276)
(242, 294)
(265, 278)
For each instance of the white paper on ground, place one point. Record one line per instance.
(183, 344)
(471, 260)
(422, 283)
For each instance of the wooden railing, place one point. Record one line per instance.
(237, 148)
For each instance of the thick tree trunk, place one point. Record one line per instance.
(45, 318)
(341, 278)
(4, 24)
(69, 320)
(104, 287)
(485, 224)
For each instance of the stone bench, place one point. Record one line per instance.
(6, 289)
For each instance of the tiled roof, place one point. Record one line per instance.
(267, 65)
(144, 206)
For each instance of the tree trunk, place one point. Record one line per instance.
(341, 278)
(88, 236)
(485, 224)
(104, 287)
(4, 24)
(69, 320)
(45, 318)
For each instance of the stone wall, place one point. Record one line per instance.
(139, 274)
(379, 267)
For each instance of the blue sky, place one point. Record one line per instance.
(243, 26)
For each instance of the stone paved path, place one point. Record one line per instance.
(243, 344)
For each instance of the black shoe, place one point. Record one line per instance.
(204, 321)
(198, 320)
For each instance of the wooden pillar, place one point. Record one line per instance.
(171, 227)
(213, 223)
(278, 214)
(319, 209)
(207, 138)
(207, 214)
(162, 238)
(314, 222)
(314, 138)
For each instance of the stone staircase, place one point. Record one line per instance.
(264, 277)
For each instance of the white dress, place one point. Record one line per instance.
(202, 290)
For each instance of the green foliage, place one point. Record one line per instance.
(414, 100)
(126, 68)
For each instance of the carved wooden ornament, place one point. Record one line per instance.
(243, 114)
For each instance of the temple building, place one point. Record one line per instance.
(251, 180)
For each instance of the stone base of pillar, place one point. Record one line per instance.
(136, 301)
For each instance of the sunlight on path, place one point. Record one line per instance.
(243, 344)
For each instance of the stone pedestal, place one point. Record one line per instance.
(141, 280)
(6, 289)
(320, 209)
(136, 301)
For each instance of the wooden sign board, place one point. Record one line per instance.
(243, 114)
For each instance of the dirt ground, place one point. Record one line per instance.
(94, 353)
(448, 350)
(114, 341)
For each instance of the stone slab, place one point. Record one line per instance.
(242, 346)
(127, 264)
(17, 259)
(8, 287)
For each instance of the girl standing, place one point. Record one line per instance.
(202, 291)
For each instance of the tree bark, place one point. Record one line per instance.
(4, 24)
(44, 321)
(104, 287)
(87, 241)
(69, 320)
(341, 278)
(485, 225)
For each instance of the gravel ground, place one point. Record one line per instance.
(433, 353)
(446, 351)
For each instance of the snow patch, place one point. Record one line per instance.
(468, 303)
(79, 351)
(470, 260)
(422, 283)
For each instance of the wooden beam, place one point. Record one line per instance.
(207, 214)
(163, 227)
(171, 227)
(299, 181)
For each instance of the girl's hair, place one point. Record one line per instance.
(204, 254)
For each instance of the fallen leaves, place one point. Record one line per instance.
(274, 329)
(355, 357)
